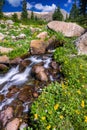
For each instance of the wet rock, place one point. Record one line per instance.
(13, 125)
(68, 29)
(4, 59)
(3, 67)
(18, 108)
(23, 65)
(40, 73)
(25, 94)
(37, 47)
(1, 98)
(35, 95)
(12, 90)
(6, 115)
(54, 65)
(2, 36)
(81, 44)
(15, 61)
(42, 35)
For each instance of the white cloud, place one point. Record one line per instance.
(29, 6)
(14, 3)
(69, 1)
(45, 8)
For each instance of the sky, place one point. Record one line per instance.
(37, 5)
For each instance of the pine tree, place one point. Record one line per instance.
(24, 14)
(1, 5)
(57, 15)
(74, 13)
(15, 17)
(83, 7)
(32, 15)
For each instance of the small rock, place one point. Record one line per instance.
(2, 36)
(4, 59)
(37, 47)
(13, 125)
(42, 35)
(21, 36)
(6, 115)
(1, 98)
(5, 50)
(35, 95)
(3, 67)
(16, 61)
(9, 22)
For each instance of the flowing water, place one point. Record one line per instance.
(15, 77)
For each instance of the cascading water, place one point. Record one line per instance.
(15, 77)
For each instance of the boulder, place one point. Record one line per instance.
(67, 28)
(6, 115)
(4, 59)
(81, 44)
(2, 36)
(5, 50)
(37, 47)
(40, 73)
(42, 35)
(13, 125)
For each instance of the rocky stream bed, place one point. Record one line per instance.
(22, 84)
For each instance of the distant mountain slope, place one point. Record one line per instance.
(43, 15)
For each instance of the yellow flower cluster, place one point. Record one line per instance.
(79, 92)
(85, 118)
(35, 116)
(61, 116)
(48, 127)
(82, 104)
(56, 106)
(43, 118)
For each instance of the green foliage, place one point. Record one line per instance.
(24, 14)
(57, 15)
(32, 15)
(63, 106)
(74, 13)
(3, 26)
(15, 17)
(83, 7)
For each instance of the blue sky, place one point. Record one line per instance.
(37, 5)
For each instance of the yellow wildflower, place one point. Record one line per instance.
(50, 112)
(43, 118)
(82, 104)
(79, 92)
(85, 119)
(61, 116)
(35, 116)
(56, 106)
(48, 127)
(77, 112)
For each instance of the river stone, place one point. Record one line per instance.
(16, 61)
(81, 44)
(6, 115)
(23, 65)
(1, 97)
(25, 94)
(42, 35)
(4, 59)
(37, 47)
(13, 125)
(67, 28)
(40, 73)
